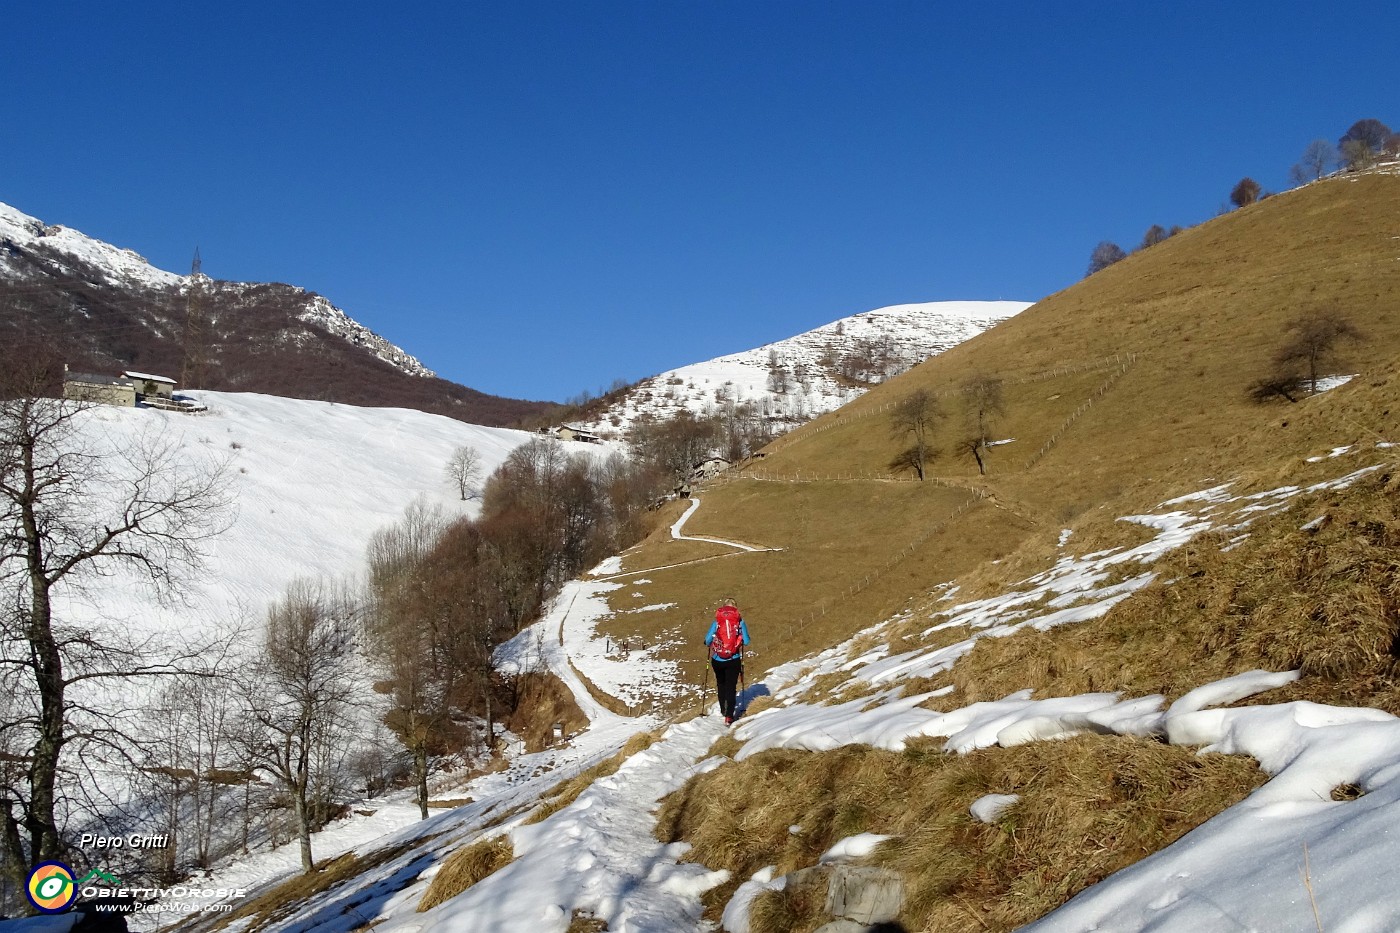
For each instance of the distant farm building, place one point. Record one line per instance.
(99, 390)
(572, 432)
(127, 391)
(150, 386)
(705, 469)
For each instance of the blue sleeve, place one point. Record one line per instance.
(743, 630)
(714, 627)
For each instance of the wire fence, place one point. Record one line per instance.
(857, 587)
(798, 477)
(1127, 363)
(1114, 362)
(1118, 365)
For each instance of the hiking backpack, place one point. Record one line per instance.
(728, 640)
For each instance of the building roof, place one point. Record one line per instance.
(147, 377)
(93, 379)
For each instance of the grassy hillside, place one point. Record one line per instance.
(1126, 389)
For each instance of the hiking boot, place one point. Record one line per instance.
(729, 720)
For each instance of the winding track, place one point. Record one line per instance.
(555, 653)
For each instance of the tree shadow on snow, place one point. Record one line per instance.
(361, 906)
(748, 695)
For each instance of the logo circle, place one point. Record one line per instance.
(51, 888)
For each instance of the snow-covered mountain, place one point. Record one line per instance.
(71, 252)
(106, 309)
(794, 380)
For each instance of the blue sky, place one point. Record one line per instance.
(536, 198)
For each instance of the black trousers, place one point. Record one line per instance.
(726, 681)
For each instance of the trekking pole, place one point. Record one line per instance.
(705, 687)
(742, 686)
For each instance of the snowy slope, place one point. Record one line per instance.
(311, 482)
(117, 266)
(797, 379)
(75, 253)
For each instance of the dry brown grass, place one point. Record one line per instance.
(466, 867)
(583, 922)
(837, 537)
(798, 908)
(1325, 601)
(450, 803)
(726, 746)
(541, 701)
(569, 791)
(1204, 310)
(1089, 806)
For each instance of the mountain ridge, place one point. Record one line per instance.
(105, 308)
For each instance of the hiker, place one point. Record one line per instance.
(726, 639)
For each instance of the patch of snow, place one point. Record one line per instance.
(1332, 382)
(851, 848)
(608, 567)
(597, 855)
(989, 807)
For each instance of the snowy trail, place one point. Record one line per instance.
(739, 547)
(566, 641)
(557, 655)
(597, 856)
(680, 523)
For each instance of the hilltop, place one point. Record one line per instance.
(106, 309)
(791, 381)
(1121, 392)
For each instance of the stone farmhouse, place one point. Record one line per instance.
(127, 390)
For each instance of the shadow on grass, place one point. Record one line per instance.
(749, 694)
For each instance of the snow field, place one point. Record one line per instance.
(311, 483)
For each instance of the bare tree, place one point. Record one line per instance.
(1154, 235)
(300, 698)
(414, 643)
(913, 420)
(1245, 192)
(742, 430)
(675, 444)
(985, 400)
(1314, 162)
(464, 470)
(1105, 255)
(1363, 141)
(1313, 341)
(779, 379)
(1282, 385)
(76, 507)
